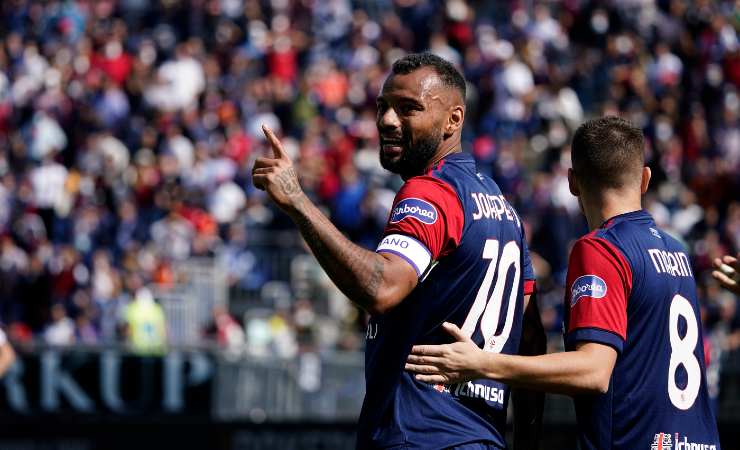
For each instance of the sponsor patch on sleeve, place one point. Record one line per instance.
(587, 286)
(408, 248)
(416, 208)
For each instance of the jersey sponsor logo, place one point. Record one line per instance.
(417, 208)
(666, 441)
(477, 390)
(587, 286)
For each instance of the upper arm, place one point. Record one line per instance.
(599, 283)
(425, 224)
(399, 277)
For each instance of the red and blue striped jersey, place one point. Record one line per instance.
(630, 286)
(466, 243)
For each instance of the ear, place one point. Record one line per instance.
(646, 173)
(455, 120)
(573, 184)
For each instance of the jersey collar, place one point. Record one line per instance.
(632, 215)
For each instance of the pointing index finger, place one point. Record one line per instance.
(277, 147)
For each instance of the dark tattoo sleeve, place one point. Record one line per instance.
(358, 272)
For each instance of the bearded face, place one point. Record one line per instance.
(407, 156)
(411, 117)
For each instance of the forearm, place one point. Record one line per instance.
(569, 373)
(359, 273)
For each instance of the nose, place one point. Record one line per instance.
(388, 120)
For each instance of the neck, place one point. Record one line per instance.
(607, 205)
(446, 148)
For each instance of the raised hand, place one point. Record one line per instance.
(447, 363)
(727, 272)
(276, 175)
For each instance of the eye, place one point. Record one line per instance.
(407, 108)
(381, 106)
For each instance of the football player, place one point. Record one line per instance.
(634, 359)
(453, 250)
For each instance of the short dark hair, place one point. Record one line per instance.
(447, 73)
(607, 153)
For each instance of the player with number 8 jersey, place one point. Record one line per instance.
(467, 244)
(630, 286)
(634, 359)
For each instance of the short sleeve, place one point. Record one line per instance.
(528, 274)
(3, 337)
(598, 285)
(425, 223)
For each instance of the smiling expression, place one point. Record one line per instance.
(412, 111)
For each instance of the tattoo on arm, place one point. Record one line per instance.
(376, 277)
(348, 265)
(288, 181)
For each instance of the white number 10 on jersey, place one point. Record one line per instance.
(490, 306)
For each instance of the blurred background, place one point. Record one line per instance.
(156, 299)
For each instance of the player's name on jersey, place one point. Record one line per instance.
(492, 207)
(477, 390)
(671, 263)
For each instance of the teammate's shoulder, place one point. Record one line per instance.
(601, 241)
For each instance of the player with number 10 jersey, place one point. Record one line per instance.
(467, 245)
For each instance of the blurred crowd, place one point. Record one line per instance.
(128, 129)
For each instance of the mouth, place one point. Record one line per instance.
(391, 147)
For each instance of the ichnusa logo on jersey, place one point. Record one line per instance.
(666, 441)
(587, 286)
(416, 208)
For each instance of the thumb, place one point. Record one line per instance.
(455, 332)
(277, 147)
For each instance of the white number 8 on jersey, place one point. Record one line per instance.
(682, 353)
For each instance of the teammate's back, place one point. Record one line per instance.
(635, 360)
(658, 392)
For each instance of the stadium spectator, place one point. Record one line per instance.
(145, 326)
(61, 330)
(134, 119)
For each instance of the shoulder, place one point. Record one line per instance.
(426, 193)
(598, 249)
(428, 185)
